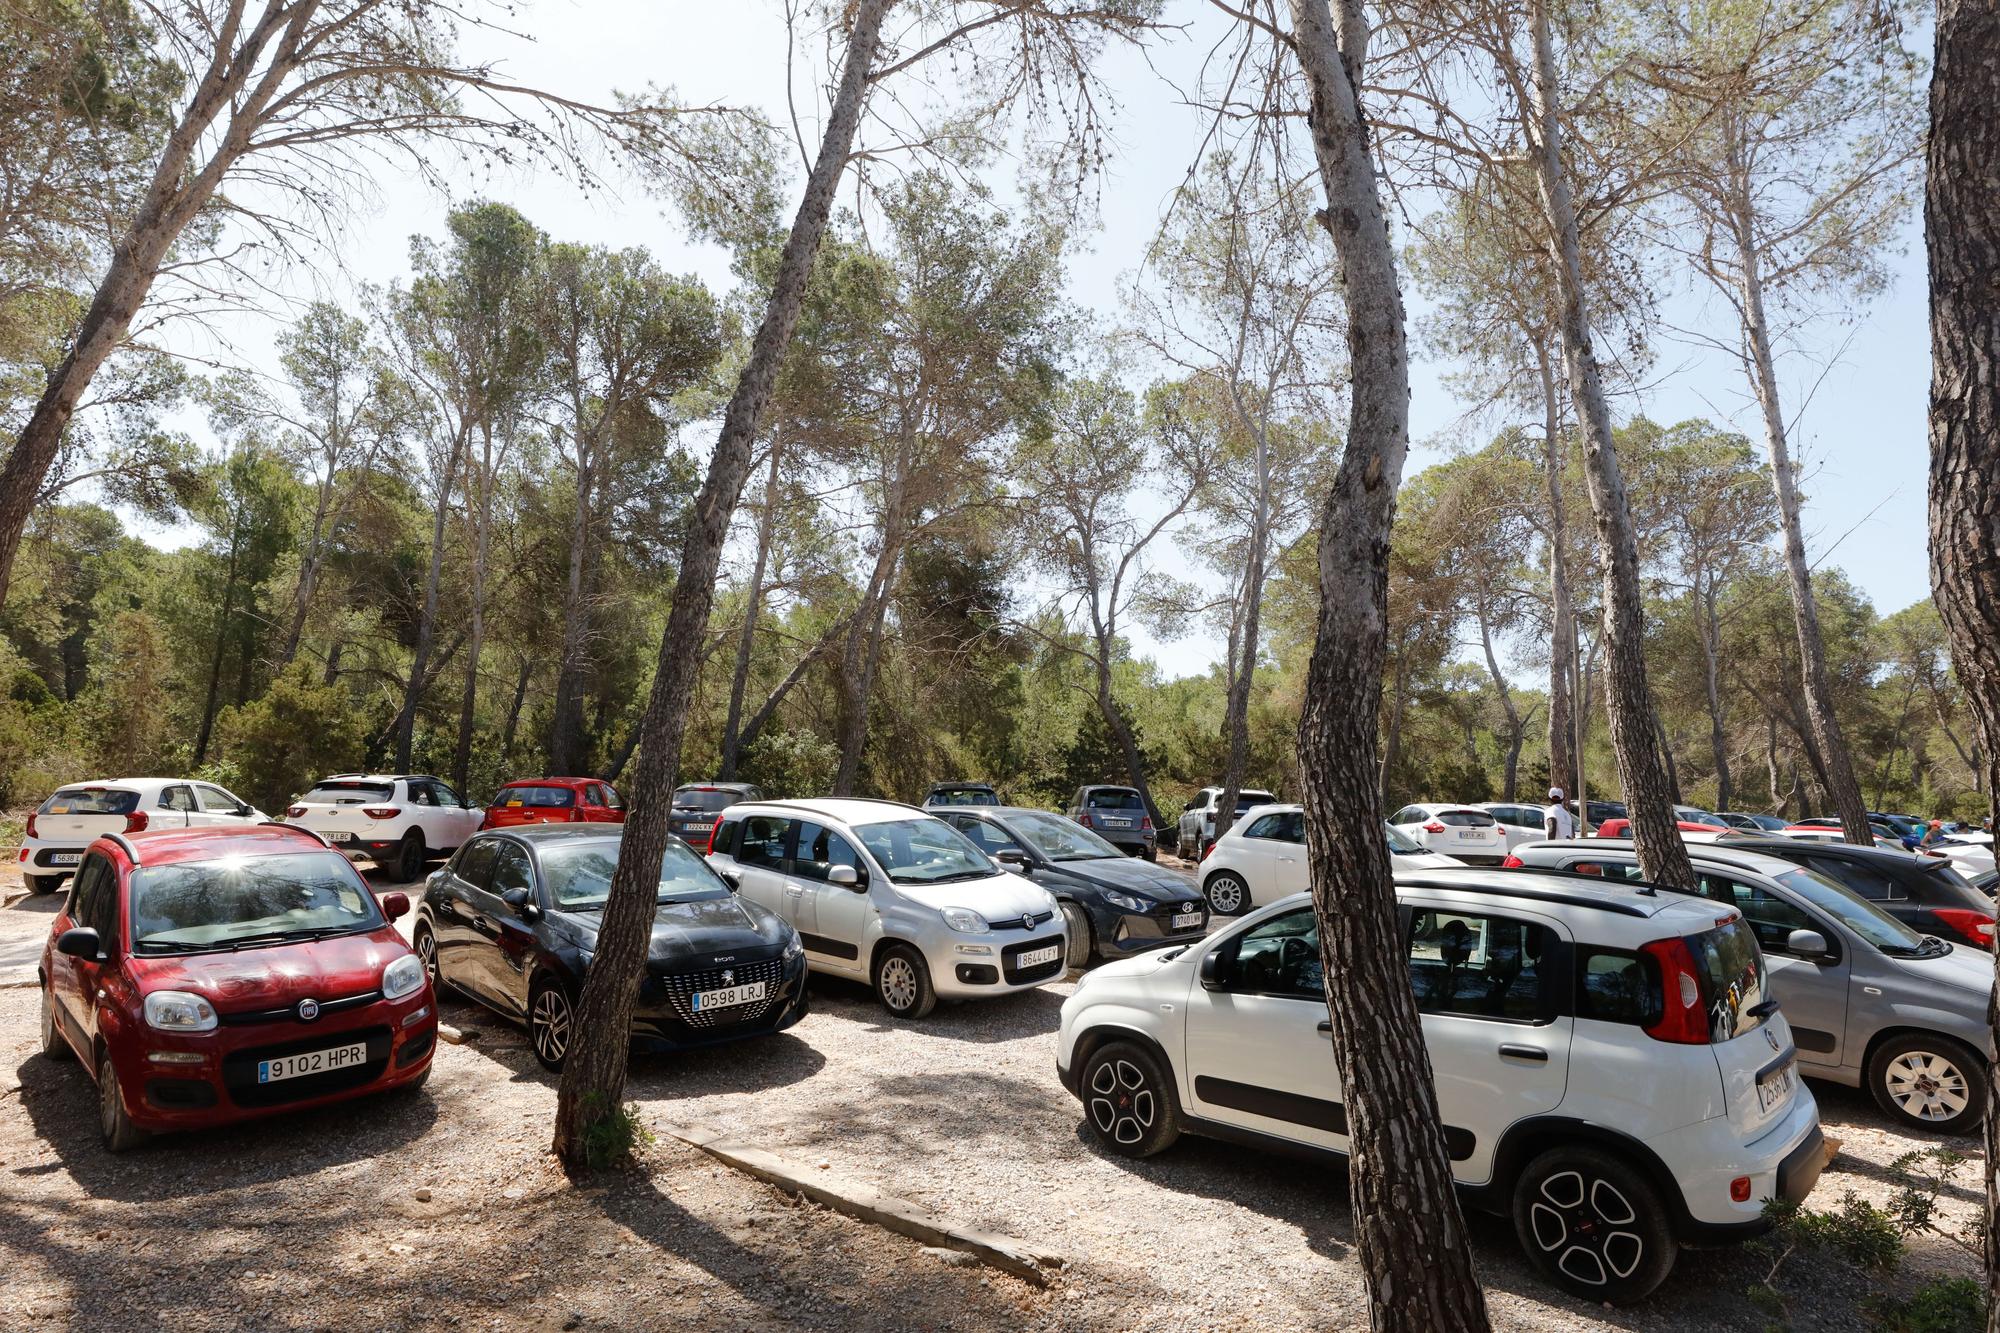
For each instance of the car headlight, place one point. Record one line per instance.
(965, 921)
(1127, 901)
(402, 977)
(794, 947)
(179, 1011)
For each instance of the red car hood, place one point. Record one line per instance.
(272, 976)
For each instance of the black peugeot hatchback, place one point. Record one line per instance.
(1923, 892)
(511, 922)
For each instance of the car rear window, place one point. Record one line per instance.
(1464, 818)
(1733, 967)
(348, 793)
(1112, 799)
(1246, 800)
(707, 799)
(538, 798)
(91, 801)
(964, 796)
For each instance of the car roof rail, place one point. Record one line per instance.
(1422, 879)
(125, 845)
(862, 800)
(299, 829)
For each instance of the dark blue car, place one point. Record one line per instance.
(1112, 904)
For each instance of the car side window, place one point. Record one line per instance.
(421, 794)
(1280, 957)
(474, 865)
(511, 871)
(1860, 878)
(987, 838)
(1617, 986)
(215, 798)
(1409, 814)
(724, 838)
(444, 795)
(1476, 966)
(1264, 826)
(612, 800)
(1773, 919)
(96, 884)
(761, 841)
(177, 798)
(820, 849)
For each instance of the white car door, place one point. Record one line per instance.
(760, 851)
(831, 918)
(457, 822)
(221, 809)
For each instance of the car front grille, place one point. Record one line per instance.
(289, 1013)
(1041, 971)
(239, 1068)
(680, 988)
(1026, 921)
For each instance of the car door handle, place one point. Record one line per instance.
(1325, 1028)
(480, 923)
(795, 890)
(1516, 1051)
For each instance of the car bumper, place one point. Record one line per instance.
(222, 1087)
(38, 857)
(1783, 1163)
(664, 1019)
(1121, 934)
(971, 966)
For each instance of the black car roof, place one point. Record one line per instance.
(1790, 847)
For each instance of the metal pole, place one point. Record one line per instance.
(1577, 722)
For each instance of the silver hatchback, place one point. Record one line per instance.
(1872, 1003)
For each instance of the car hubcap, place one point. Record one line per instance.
(427, 950)
(1927, 1086)
(1584, 1223)
(899, 983)
(107, 1100)
(1225, 895)
(1121, 1105)
(551, 1023)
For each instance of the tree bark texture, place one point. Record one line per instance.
(739, 680)
(1562, 628)
(1416, 1258)
(1628, 695)
(420, 661)
(566, 726)
(593, 1080)
(1962, 235)
(1237, 720)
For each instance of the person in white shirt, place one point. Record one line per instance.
(1557, 822)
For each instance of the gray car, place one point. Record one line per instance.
(1872, 1003)
(1117, 815)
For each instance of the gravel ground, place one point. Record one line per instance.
(441, 1208)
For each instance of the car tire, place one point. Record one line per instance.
(1227, 894)
(1152, 853)
(424, 941)
(410, 856)
(113, 1122)
(903, 982)
(42, 883)
(1129, 1101)
(55, 1046)
(1076, 928)
(1593, 1225)
(1928, 1082)
(551, 1024)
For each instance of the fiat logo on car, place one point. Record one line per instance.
(308, 1009)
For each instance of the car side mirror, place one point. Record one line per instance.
(1211, 971)
(1806, 943)
(1012, 856)
(395, 906)
(734, 879)
(244, 811)
(845, 876)
(80, 942)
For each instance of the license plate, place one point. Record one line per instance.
(699, 828)
(1036, 957)
(1118, 823)
(722, 998)
(312, 1062)
(1186, 920)
(1774, 1088)
(65, 858)
(340, 837)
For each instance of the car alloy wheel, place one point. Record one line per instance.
(1927, 1086)
(427, 953)
(1584, 1226)
(898, 983)
(1227, 895)
(54, 1045)
(549, 1025)
(119, 1132)
(1121, 1102)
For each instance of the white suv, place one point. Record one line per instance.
(1610, 1069)
(891, 895)
(62, 826)
(398, 822)
(1198, 820)
(1263, 859)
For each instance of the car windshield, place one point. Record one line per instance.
(1400, 843)
(963, 796)
(348, 793)
(578, 875)
(536, 798)
(232, 901)
(1464, 818)
(1059, 839)
(706, 799)
(1113, 798)
(1871, 923)
(924, 851)
(91, 801)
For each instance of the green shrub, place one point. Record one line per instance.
(791, 763)
(610, 1140)
(1943, 1305)
(297, 733)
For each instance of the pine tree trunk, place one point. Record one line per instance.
(1121, 735)
(221, 643)
(1843, 787)
(1628, 695)
(858, 657)
(1415, 1256)
(1562, 627)
(739, 680)
(593, 1080)
(1711, 679)
(566, 726)
(1244, 676)
(754, 727)
(420, 663)
(1962, 234)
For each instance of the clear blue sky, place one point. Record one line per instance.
(1861, 437)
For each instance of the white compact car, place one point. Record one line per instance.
(1463, 831)
(398, 822)
(1263, 859)
(1518, 823)
(893, 896)
(1611, 1071)
(68, 821)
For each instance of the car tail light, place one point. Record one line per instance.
(1206, 852)
(1739, 1189)
(713, 829)
(1512, 862)
(1145, 823)
(295, 812)
(1084, 819)
(1683, 1016)
(1434, 827)
(136, 822)
(1972, 926)
(381, 811)
(31, 825)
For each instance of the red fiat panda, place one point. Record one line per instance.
(206, 976)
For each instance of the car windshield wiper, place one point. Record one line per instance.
(952, 878)
(278, 936)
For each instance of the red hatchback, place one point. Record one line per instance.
(554, 801)
(212, 975)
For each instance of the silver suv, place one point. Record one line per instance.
(891, 895)
(1872, 1003)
